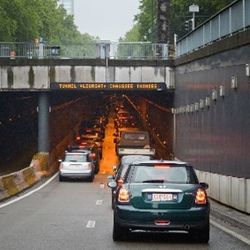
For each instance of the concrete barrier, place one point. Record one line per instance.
(42, 165)
(16, 182)
(231, 191)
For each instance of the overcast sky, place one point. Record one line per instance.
(107, 19)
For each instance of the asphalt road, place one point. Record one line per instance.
(78, 215)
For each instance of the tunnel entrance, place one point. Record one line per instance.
(67, 109)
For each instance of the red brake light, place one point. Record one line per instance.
(119, 182)
(161, 166)
(93, 155)
(200, 197)
(78, 138)
(123, 195)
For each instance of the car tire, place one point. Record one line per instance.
(91, 178)
(119, 233)
(61, 178)
(112, 201)
(201, 235)
(97, 169)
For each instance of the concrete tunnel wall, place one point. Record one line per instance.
(212, 119)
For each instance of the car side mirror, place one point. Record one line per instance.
(204, 185)
(114, 168)
(110, 178)
(112, 184)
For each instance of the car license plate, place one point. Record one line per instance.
(162, 197)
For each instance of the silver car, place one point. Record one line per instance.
(76, 165)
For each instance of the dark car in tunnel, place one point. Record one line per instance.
(161, 196)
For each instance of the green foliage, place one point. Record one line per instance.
(132, 35)
(180, 12)
(26, 20)
(145, 21)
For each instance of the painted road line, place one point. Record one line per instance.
(230, 232)
(91, 224)
(29, 193)
(99, 202)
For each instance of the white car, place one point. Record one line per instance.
(76, 165)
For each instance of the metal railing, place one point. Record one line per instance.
(233, 18)
(129, 51)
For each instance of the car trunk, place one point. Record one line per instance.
(162, 196)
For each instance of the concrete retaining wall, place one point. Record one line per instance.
(16, 182)
(42, 165)
(38, 77)
(231, 191)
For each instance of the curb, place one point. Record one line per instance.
(230, 220)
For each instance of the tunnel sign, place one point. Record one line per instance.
(150, 86)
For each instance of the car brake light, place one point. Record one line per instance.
(123, 195)
(119, 182)
(93, 155)
(161, 166)
(78, 138)
(200, 197)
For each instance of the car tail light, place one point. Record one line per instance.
(93, 155)
(123, 196)
(201, 197)
(162, 222)
(78, 138)
(89, 166)
(120, 182)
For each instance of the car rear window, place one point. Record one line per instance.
(135, 136)
(76, 157)
(162, 174)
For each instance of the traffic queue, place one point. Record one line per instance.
(150, 195)
(82, 157)
(147, 194)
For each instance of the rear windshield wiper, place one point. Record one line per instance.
(153, 181)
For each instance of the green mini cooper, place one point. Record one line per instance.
(161, 196)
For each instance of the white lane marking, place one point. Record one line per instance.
(91, 224)
(230, 232)
(29, 193)
(99, 202)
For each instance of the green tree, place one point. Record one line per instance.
(25, 20)
(132, 35)
(145, 21)
(7, 25)
(180, 12)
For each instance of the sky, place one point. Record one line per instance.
(107, 19)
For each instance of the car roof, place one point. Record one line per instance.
(76, 152)
(151, 162)
(136, 158)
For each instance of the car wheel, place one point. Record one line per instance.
(91, 178)
(97, 169)
(61, 178)
(201, 235)
(112, 201)
(119, 233)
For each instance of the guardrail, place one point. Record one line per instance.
(235, 17)
(103, 50)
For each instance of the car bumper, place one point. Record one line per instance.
(76, 174)
(176, 220)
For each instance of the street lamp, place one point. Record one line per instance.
(193, 8)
